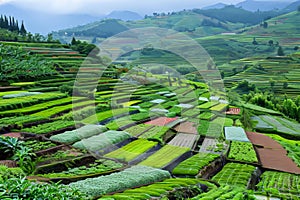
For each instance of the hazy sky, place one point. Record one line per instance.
(106, 6)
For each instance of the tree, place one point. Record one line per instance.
(265, 24)
(285, 85)
(23, 30)
(271, 42)
(280, 51)
(254, 41)
(298, 9)
(73, 42)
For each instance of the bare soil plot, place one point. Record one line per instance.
(187, 127)
(184, 140)
(263, 140)
(233, 111)
(272, 155)
(277, 159)
(161, 121)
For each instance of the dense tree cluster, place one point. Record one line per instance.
(11, 24)
(289, 107)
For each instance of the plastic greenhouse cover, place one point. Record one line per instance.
(236, 134)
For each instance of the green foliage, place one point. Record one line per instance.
(132, 150)
(49, 127)
(129, 178)
(194, 164)
(7, 173)
(103, 140)
(100, 166)
(19, 65)
(20, 188)
(242, 151)
(280, 51)
(76, 135)
(279, 184)
(234, 174)
(164, 156)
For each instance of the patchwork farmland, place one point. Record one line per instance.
(137, 139)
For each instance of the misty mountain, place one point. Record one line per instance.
(253, 5)
(43, 23)
(215, 6)
(124, 15)
(292, 7)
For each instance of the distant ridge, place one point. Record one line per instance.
(253, 5)
(215, 6)
(124, 15)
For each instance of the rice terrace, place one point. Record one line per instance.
(190, 104)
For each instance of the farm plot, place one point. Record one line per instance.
(279, 184)
(164, 156)
(161, 121)
(291, 146)
(281, 126)
(70, 137)
(138, 129)
(211, 145)
(233, 111)
(208, 105)
(234, 174)
(262, 125)
(207, 116)
(276, 159)
(219, 108)
(129, 178)
(184, 140)
(226, 192)
(8, 104)
(155, 133)
(186, 127)
(236, 134)
(194, 164)
(101, 141)
(98, 167)
(158, 190)
(49, 128)
(242, 151)
(132, 150)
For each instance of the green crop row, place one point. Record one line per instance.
(19, 121)
(9, 104)
(164, 156)
(221, 107)
(194, 164)
(208, 105)
(105, 115)
(159, 189)
(227, 192)
(234, 174)
(100, 166)
(155, 133)
(131, 150)
(138, 129)
(242, 151)
(103, 140)
(49, 127)
(129, 178)
(118, 123)
(48, 113)
(40, 107)
(279, 182)
(207, 116)
(76, 135)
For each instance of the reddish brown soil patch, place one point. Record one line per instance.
(271, 154)
(277, 160)
(263, 140)
(14, 135)
(8, 163)
(187, 127)
(161, 121)
(233, 111)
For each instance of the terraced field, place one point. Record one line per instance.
(129, 140)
